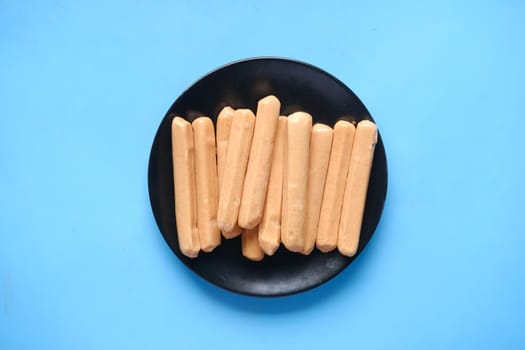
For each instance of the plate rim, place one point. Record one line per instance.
(349, 260)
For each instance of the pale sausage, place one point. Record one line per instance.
(320, 146)
(184, 184)
(224, 122)
(335, 184)
(259, 164)
(356, 187)
(206, 181)
(233, 178)
(270, 226)
(250, 245)
(295, 189)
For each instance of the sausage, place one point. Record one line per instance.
(184, 184)
(357, 187)
(259, 164)
(206, 181)
(250, 245)
(334, 188)
(270, 226)
(295, 188)
(320, 146)
(233, 178)
(224, 122)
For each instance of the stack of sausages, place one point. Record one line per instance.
(270, 179)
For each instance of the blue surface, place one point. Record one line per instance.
(83, 87)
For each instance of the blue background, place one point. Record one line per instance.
(83, 88)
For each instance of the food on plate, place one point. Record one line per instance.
(356, 187)
(184, 183)
(270, 179)
(260, 161)
(270, 226)
(206, 183)
(320, 146)
(295, 183)
(334, 187)
(250, 244)
(224, 122)
(241, 134)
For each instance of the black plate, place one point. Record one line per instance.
(300, 87)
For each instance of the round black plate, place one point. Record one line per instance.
(300, 87)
